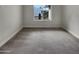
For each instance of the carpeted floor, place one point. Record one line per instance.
(41, 41)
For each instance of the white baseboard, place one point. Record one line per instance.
(42, 27)
(72, 33)
(9, 37)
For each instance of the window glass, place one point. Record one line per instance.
(41, 12)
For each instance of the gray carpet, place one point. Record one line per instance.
(41, 41)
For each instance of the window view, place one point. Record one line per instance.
(41, 12)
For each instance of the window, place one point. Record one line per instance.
(41, 12)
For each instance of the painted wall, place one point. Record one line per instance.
(10, 22)
(70, 19)
(28, 18)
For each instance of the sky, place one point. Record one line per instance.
(37, 10)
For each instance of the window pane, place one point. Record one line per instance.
(41, 12)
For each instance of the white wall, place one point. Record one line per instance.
(10, 22)
(28, 18)
(70, 19)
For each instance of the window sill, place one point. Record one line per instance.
(41, 20)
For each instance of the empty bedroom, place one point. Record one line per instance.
(39, 29)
